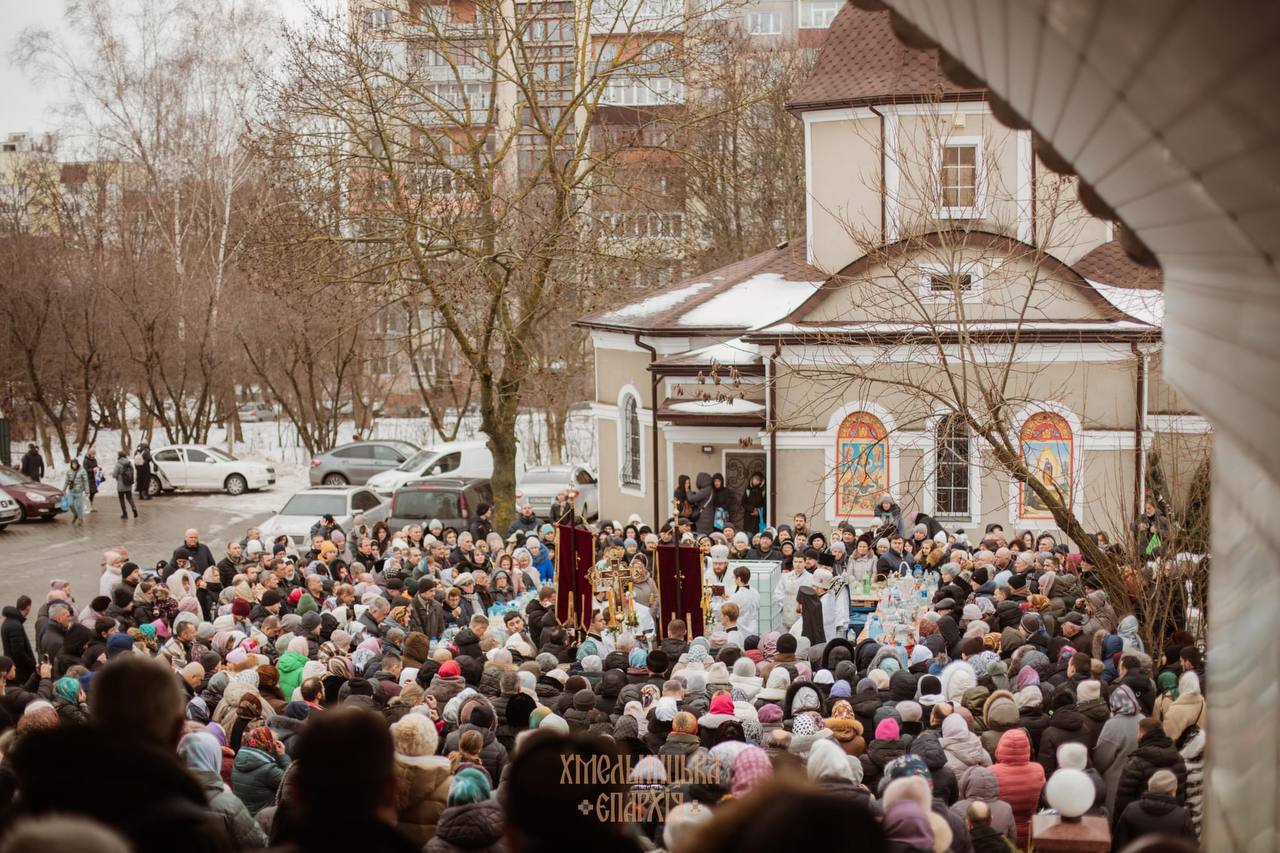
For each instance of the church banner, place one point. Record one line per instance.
(575, 556)
(679, 574)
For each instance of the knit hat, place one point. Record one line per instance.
(887, 729)
(448, 669)
(840, 690)
(909, 711)
(908, 765)
(240, 608)
(684, 723)
(469, 785)
(770, 713)
(721, 703)
(1088, 690)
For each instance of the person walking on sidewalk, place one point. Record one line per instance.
(76, 487)
(123, 472)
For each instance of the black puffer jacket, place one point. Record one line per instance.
(1067, 725)
(493, 755)
(473, 828)
(611, 684)
(1155, 752)
(1152, 814)
(878, 755)
(945, 786)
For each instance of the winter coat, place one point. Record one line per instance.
(978, 784)
(290, 668)
(1143, 688)
(1119, 738)
(680, 744)
(1096, 712)
(470, 828)
(123, 474)
(965, 751)
(929, 749)
(33, 465)
(241, 826)
(752, 509)
(422, 793)
(1187, 710)
(1067, 725)
(1154, 752)
(1150, 814)
(493, 755)
(1192, 753)
(444, 688)
(878, 755)
(426, 617)
(17, 646)
(255, 777)
(702, 498)
(1018, 779)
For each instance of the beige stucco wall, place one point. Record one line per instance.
(845, 191)
(617, 368)
(614, 503)
(1013, 288)
(1101, 394)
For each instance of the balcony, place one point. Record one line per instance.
(628, 91)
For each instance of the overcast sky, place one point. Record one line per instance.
(24, 105)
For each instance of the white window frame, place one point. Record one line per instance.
(809, 10)
(755, 20)
(978, 209)
(929, 495)
(977, 287)
(629, 392)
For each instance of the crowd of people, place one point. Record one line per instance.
(414, 689)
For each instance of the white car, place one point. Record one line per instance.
(198, 467)
(452, 458)
(540, 486)
(307, 507)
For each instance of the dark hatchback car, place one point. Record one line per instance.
(35, 500)
(452, 500)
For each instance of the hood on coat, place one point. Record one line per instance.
(249, 759)
(1014, 747)
(930, 750)
(1000, 710)
(978, 783)
(474, 826)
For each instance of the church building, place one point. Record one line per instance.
(946, 278)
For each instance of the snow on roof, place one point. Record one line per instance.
(656, 304)
(909, 328)
(757, 301)
(732, 351)
(1144, 305)
(718, 407)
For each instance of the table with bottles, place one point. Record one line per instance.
(902, 600)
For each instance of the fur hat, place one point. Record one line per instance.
(415, 738)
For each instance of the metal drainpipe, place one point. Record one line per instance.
(1140, 430)
(653, 425)
(771, 423)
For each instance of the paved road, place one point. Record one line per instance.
(33, 553)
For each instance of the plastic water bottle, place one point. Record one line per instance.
(874, 631)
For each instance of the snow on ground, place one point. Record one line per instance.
(276, 442)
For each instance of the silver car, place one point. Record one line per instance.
(355, 463)
(307, 507)
(540, 486)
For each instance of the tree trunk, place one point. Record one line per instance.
(498, 420)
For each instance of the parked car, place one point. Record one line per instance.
(35, 500)
(452, 500)
(199, 467)
(301, 512)
(250, 413)
(355, 463)
(452, 458)
(540, 485)
(10, 510)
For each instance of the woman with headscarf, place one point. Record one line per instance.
(68, 701)
(1102, 616)
(203, 756)
(1186, 710)
(1118, 738)
(258, 768)
(1128, 631)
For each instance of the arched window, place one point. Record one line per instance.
(1047, 449)
(951, 467)
(629, 423)
(862, 465)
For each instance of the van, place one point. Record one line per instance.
(465, 459)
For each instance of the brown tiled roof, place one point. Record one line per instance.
(863, 62)
(1111, 264)
(660, 312)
